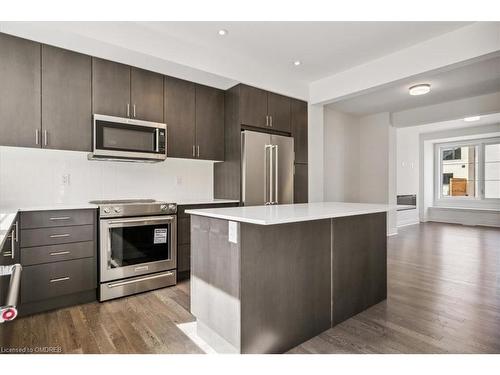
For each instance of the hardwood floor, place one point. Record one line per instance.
(443, 297)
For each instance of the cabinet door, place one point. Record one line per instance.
(209, 123)
(146, 95)
(66, 99)
(19, 92)
(180, 118)
(279, 110)
(299, 129)
(110, 88)
(300, 190)
(253, 106)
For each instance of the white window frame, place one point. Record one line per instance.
(479, 201)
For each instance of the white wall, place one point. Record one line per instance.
(315, 154)
(32, 177)
(341, 146)
(360, 160)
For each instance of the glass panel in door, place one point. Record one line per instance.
(122, 137)
(139, 244)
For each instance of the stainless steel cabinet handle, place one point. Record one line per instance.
(7, 254)
(271, 121)
(59, 235)
(128, 109)
(198, 152)
(59, 253)
(13, 244)
(45, 137)
(134, 110)
(60, 218)
(17, 231)
(59, 279)
(267, 120)
(194, 151)
(37, 136)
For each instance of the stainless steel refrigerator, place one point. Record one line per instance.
(266, 169)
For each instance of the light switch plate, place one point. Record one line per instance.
(233, 231)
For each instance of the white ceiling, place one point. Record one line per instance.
(469, 79)
(257, 53)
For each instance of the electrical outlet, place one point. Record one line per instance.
(178, 180)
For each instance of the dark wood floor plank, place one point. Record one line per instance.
(443, 297)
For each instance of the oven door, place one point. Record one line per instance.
(137, 246)
(116, 137)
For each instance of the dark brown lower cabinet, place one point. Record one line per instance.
(184, 236)
(59, 261)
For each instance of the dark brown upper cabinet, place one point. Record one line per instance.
(20, 99)
(278, 108)
(124, 91)
(66, 100)
(180, 118)
(110, 88)
(146, 95)
(299, 129)
(264, 109)
(253, 106)
(195, 120)
(209, 123)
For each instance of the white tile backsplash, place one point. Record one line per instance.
(35, 177)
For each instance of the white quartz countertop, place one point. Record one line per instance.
(6, 220)
(291, 213)
(186, 202)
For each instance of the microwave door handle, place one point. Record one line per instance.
(157, 136)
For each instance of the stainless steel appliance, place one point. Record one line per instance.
(267, 168)
(137, 246)
(8, 311)
(119, 138)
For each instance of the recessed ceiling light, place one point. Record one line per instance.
(472, 118)
(421, 89)
(297, 62)
(222, 32)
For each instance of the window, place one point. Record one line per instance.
(492, 170)
(468, 171)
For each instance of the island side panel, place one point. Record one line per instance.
(215, 283)
(285, 284)
(359, 264)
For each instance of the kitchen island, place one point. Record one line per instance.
(267, 278)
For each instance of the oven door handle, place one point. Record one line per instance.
(140, 221)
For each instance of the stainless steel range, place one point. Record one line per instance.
(137, 246)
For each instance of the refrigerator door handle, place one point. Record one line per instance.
(268, 151)
(271, 200)
(276, 179)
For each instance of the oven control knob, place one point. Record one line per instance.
(163, 207)
(107, 210)
(118, 210)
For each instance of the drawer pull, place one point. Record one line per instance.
(59, 253)
(60, 218)
(7, 254)
(59, 235)
(59, 279)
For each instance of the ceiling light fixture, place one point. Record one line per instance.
(222, 32)
(421, 89)
(297, 62)
(472, 118)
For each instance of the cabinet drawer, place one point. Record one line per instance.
(58, 235)
(60, 218)
(57, 279)
(56, 253)
(184, 231)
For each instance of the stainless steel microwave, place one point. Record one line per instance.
(120, 138)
